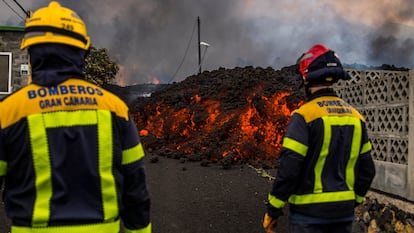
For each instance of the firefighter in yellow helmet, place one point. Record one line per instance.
(325, 163)
(70, 155)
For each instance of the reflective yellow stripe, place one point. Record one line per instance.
(320, 163)
(275, 202)
(359, 199)
(147, 229)
(42, 168)
(67, 119)
(108, 185)
(101, 228)
(366, 147)
(41, 158)
(3, 168)
(295, 146)
(328, 123)
(132, 154)
(322, 197)
(353, 157)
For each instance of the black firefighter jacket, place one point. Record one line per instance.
(70, 154)
(325, 163)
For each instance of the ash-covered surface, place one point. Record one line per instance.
(375, 216)
(227, 116)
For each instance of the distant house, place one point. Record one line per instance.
(13, 61)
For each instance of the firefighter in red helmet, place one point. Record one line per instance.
(325, 163)
(70, 155)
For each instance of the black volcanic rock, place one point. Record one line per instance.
(240, 111)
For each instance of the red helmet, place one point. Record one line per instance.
(321, 65)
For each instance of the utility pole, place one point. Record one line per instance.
(199, 46)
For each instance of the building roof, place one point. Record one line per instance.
(11, 28)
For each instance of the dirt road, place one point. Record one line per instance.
(189, 198)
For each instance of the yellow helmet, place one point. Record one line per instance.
(55, 24)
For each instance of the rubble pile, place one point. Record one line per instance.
(226, 116)
(375, 217)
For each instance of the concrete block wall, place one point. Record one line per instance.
(385, 99)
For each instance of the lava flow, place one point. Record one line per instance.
(229, 115)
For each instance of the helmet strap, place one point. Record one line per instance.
(307, 91)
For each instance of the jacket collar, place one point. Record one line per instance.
(322, 92)
(55, 63)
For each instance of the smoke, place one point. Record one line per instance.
(390, 29)
(150, 39)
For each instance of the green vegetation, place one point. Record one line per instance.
(99, 68)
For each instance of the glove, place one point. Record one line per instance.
(269, 224)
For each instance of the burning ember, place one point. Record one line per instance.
(226, 116)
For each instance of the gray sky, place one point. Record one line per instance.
(149, 38)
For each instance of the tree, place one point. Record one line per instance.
(99, 68)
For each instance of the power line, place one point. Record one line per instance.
(11, 8)
(20, 6)
(185, 54)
